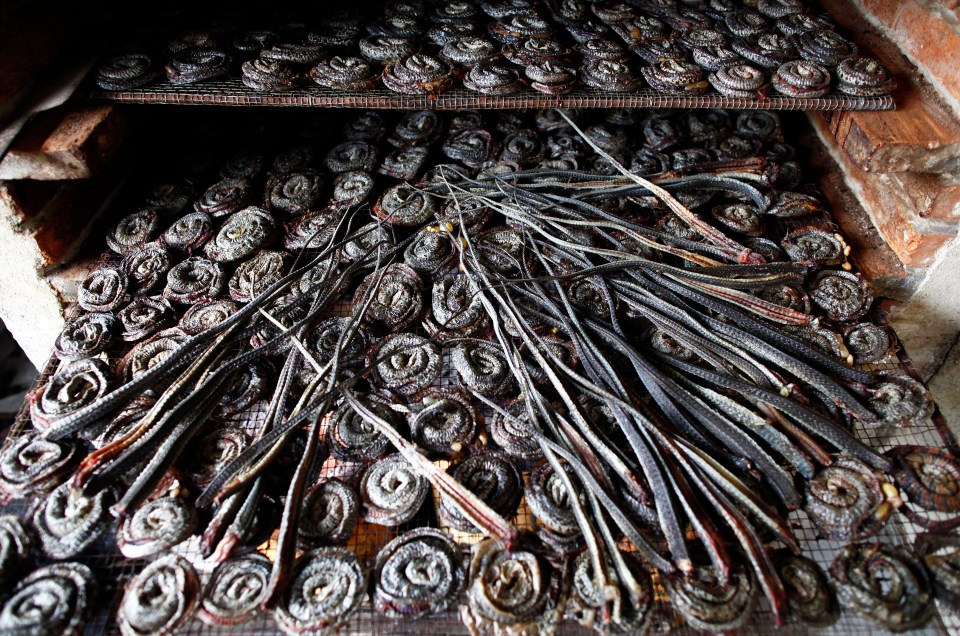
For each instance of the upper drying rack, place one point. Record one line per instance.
(463, 54)
(231, 92)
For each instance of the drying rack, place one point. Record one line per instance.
(112, 569)
(232, 92)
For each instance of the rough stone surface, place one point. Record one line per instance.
(944, 385)
(31, 308)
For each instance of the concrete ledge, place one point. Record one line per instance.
(929, 322)
(31, 308)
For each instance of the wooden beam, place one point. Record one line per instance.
(922, 135)
(66, 143)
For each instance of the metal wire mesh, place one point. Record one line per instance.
(232, 92)
(112, 569)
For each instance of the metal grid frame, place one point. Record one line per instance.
(112, 569)
(232, 92)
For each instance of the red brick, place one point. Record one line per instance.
(913, 244)
(869, 251)
(886, 11)
(932, 197)
(54, 220)
(932, 42)
(56, 214)
(26, 200)
(895, 204)
(56, 242)
(921, 135)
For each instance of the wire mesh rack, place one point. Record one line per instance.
(232, 92)
(112, 569)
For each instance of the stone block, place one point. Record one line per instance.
(943, 384)
(916, 243)
(42, 225)
(66, 143)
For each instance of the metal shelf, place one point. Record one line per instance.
(232, 92)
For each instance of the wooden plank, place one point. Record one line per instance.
(895, 204)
